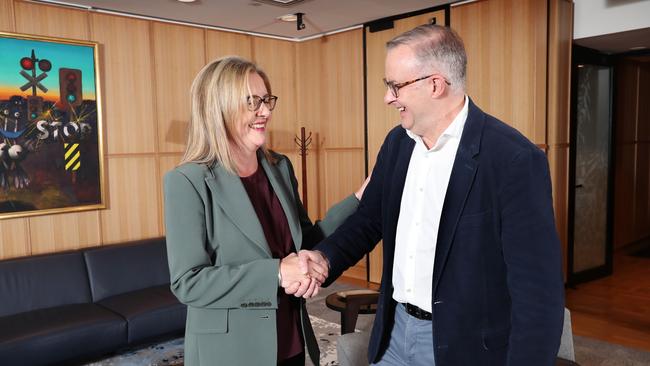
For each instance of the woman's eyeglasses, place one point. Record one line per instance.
(254, 102)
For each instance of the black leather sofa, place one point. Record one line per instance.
(65, 308)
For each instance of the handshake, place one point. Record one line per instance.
(302, 274)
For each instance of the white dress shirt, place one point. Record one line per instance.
(419, 219)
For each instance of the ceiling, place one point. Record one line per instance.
(620, 42)
(256, 16)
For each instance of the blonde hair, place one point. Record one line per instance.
(218, 100)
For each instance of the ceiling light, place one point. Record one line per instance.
(288, 18)
(297, 17)
(638, 48)
(283, 3)
(186, 1)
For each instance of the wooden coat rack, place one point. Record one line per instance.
(303, 143)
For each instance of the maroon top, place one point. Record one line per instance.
(276, 231)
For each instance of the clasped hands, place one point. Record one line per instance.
(303, 273)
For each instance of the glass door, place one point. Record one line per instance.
(590, 244)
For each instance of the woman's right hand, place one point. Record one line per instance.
(295, 279)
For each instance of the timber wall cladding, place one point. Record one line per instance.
(632, 154)
(519, 71)
(146, 71)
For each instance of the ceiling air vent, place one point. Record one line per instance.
(282, 3)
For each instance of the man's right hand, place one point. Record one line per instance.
(311, 264)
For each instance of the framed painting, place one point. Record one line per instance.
(51, 146)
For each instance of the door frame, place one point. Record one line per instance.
(583, 55)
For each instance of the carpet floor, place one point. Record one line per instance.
(589, 352)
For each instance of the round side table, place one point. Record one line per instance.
(350, 304)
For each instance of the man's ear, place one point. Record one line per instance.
(436, 88)
(439, 86)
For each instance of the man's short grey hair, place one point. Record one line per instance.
(437, 47)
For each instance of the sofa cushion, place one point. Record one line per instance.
(124, 268)
(43, 281)
(48, 336)
(150, 312)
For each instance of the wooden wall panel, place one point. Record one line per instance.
(632, 152)
(54, 233)
(134, 207)
(558, 112)
(382, 118)
(558, 160)
(624, 201)
(330, 105)
(346, 165)
(165, 164)
(342, 124)
(51, 21)
(641, 194)
(642, 222)
(625, 153)
(127, 82)
(179, 54)
(310, 84)
(14, 241)
(310, 106)
(643, 124)
(506, 67)
(277, 59)
(219, 44)
(559, 72)
(7, 16)
(342, 92)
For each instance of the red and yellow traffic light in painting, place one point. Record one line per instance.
(70, 87)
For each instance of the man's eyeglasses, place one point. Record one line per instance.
(254, 102)
(395, 87)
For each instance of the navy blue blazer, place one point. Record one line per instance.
(498, 294)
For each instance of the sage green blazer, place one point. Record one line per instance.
(221, 266)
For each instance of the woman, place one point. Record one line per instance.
(232, 212)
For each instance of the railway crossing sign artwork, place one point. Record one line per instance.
(51, 153)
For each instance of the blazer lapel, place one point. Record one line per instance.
(280, 179)
(227, 192)
(460, 183)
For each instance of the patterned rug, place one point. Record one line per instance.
(171, 352)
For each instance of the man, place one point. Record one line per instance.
(471, 257)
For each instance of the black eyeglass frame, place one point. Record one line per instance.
(254, 102)
(395, 87)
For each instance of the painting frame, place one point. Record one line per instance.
(51, 144)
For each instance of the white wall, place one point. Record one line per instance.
(598, 17)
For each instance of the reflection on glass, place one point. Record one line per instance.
(592, 152)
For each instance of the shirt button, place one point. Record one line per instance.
(421, 189)
(408, 290)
